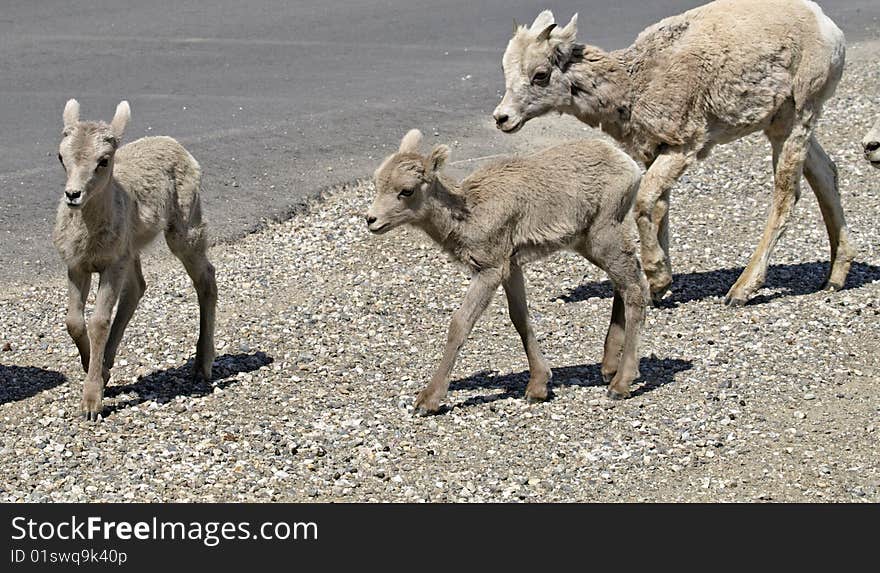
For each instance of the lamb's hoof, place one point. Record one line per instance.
(832, 286)
(201, 374)
(423, 412)
(92, 409)
(615, 395)
(426, 405)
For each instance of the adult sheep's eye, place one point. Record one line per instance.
(103, 162)
(541, 78)
(407, 192)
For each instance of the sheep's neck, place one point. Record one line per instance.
(445, 213)
(601, 90)
(98, 214)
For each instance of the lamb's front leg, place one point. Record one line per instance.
(78, 283)
(479, 293)
(652, 212)
(109, 288)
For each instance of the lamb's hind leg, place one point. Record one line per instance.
(128, 301)
(821, 173)
(614, 339)
(517, 306)
(610, 250)
(191, 248)
(790, 152)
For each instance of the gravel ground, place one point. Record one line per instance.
(326, 334)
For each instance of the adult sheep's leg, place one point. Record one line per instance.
(78, 283)
(652, 212)
(477, 298)
(517, 306)
(790, 152)
(821, 173)
(128, 301)
(109, 287)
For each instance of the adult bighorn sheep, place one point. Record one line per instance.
(871, 144)
(575, 196)
(705, 77)
(116, 200)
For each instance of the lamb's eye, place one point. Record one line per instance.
(103, 162)
(541, 78)
(406, 192)
(61, 159)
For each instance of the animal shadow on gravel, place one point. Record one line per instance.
(20, 382)
(655, 372)
(790, 280)
(165, 385)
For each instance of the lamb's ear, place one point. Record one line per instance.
(120, 119)
(438, 157)
(71, 113)
(410, 142)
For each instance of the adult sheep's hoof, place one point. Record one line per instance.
(832, 286)
(734, 301)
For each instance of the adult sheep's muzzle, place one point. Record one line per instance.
(375, 227)
(507, 119)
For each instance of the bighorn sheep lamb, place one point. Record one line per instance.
(871, 144)
(573, 196)
(705, 77)
(116, 200)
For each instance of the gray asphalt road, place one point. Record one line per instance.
(276, 99)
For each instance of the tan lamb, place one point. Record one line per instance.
(705, 77)
(575, 196)
(116, 200)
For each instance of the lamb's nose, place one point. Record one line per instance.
(501, 118)
(73, 196)
(872, 146)
(370, 220)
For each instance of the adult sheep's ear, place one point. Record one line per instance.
(411, 141)
(543, 20)
(562, 39)
(438, 157)
(71, 113)
(567, 34)
(120, 119)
